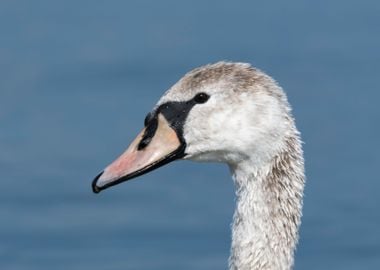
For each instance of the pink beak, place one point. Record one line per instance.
(164, 147)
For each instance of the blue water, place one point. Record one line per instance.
(78, 77)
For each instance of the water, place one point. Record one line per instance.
(78, 77)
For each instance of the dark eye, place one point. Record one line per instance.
(201, 98)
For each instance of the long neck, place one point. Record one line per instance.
(268, 210)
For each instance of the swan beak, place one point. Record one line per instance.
(151, 149)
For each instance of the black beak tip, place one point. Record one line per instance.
(95, 188)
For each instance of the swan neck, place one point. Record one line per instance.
(268, 211)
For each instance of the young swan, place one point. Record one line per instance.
(235, 114)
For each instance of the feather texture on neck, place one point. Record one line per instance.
(268, 210)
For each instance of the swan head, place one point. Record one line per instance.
(223, 112)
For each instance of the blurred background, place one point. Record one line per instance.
(77, 79)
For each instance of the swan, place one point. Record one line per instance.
(235, 114)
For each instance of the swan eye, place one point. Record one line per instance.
(201, 98)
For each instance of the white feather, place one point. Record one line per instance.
(247, 123)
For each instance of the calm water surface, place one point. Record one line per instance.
(78, 77)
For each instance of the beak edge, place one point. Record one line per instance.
(95, 188)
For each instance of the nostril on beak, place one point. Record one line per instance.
(144, 143)
(150, 130)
